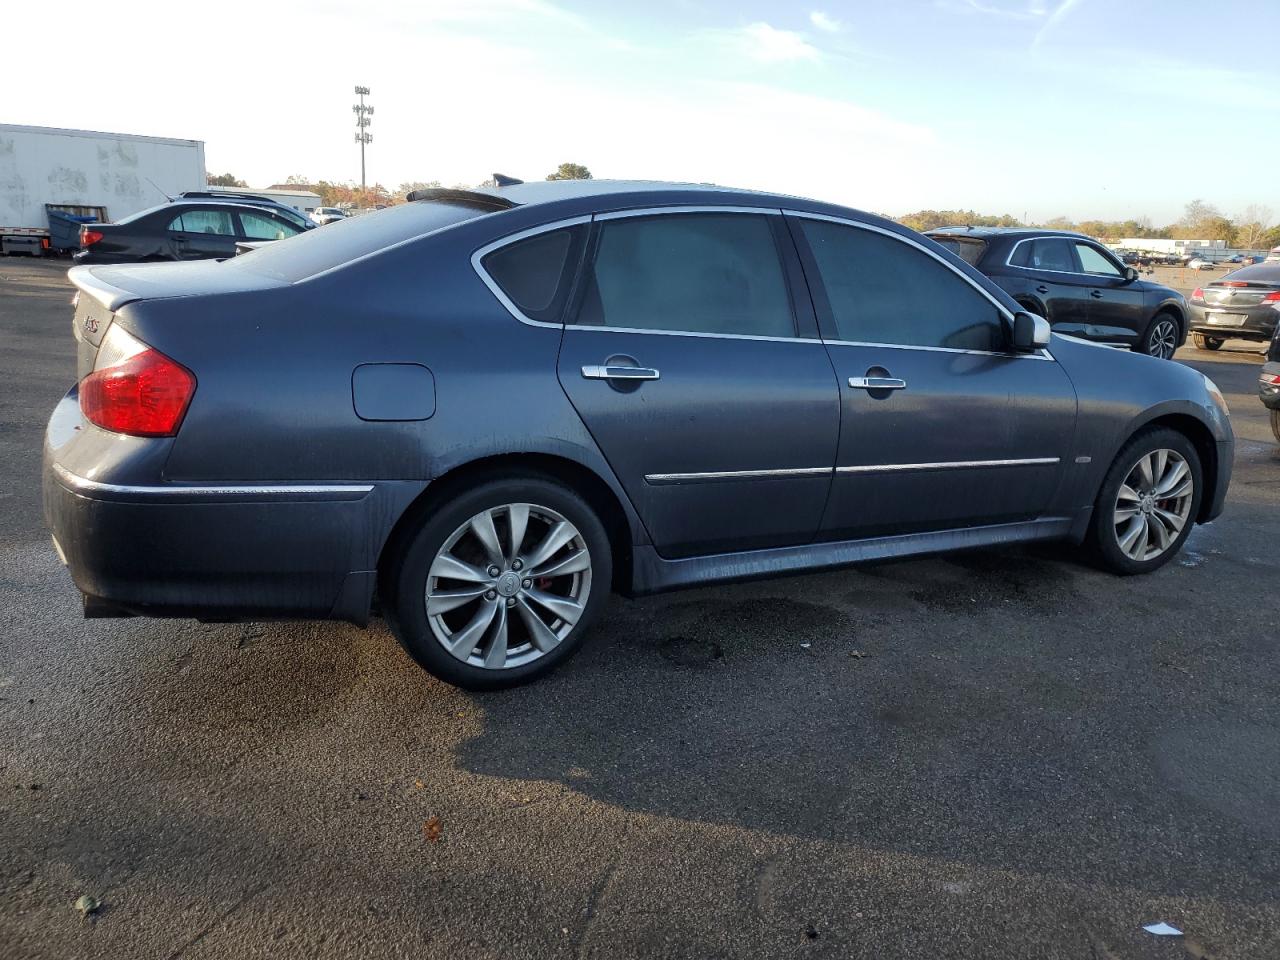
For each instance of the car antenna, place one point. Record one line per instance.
(158, 190)
(502, 180)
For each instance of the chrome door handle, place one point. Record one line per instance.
(605, 372)
(1097, 294)
(877, 383)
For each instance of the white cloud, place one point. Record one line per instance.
(1059, 14)
(768, 44)
(1031, 10)
(824, 22)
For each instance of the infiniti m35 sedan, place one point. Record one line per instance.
(483, 410)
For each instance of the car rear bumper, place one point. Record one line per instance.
(1268, 392)
(1259, 322)
(224, 551)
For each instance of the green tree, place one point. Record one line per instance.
(570, 171)
(224, 180)
(1251, 226)
(406, 188)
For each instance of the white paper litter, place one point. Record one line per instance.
(1162, 929)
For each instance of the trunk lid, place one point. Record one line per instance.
(101, 291)
(1237, 294)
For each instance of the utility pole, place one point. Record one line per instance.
(363, 136)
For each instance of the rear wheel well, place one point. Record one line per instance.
(1206, 447)
(582, 480)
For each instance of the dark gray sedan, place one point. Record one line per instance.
(487, 409)
(1243, 305)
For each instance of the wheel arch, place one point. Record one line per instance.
(578, 477)
(1179, 315)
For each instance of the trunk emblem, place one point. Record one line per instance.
(90, 324)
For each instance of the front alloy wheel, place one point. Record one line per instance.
(508, 585)
(1162, 338)
(1153, 505)
(1147, 503)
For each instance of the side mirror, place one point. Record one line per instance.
(1130, 274)
(1030, 332)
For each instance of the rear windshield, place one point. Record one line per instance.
(341, 242)
(1258, 273)
(969, 249)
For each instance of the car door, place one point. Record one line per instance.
(1047, 270)
(1116, 309)
(942, 426)
(203, 234)
(264, 226)
(702, 379)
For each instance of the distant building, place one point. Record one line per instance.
(1181, 247)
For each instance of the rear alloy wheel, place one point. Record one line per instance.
(1205, 342)
(1148, 502)
(1162, 337)
(499, 585)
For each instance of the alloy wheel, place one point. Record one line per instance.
(1153, 505)
(508, 586)
(1163, 340)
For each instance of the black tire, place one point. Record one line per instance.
(1162, 336)
(1205, 342)
(405, 579)
(1103, 538)
(1275, 424)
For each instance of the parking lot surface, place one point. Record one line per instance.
(993, 754)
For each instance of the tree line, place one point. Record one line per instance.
(1252, 229)
(348, 194)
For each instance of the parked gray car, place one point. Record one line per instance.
(1243, 305)
(482, 411)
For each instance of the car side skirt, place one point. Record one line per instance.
(651, 573)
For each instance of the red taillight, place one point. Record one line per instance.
(1197, 294)
(1271, 378)
(145, 395)
(89, 237)
(1273, 297)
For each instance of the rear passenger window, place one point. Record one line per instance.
(694, 273)
(1047, 253)
(204, 221)
(531, 272)
(883, 290)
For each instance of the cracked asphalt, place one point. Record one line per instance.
(1001, 753)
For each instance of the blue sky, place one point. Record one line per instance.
(1081, 108)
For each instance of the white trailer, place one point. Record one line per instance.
(105, 175)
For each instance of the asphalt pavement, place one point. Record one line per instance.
(1003, 753)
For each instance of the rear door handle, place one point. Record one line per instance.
(1042, 289)
(605, 372)
(877, 383)
(1097, 294)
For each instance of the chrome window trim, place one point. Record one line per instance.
(506, 241)
(693, 208)
(1008, 261)
(333, 491)
(1041, 354)
(687, 333)
(658, 479)
(948, 465)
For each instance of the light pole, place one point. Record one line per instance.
(363, 136)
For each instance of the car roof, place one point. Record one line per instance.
(1011, 232)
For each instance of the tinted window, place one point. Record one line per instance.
(966, 249)
(260, 226)
(315, 251)
(1045, 253)
(204, 221)
(1266, 272)
(1091, 261)
(701, 273)
(529, 271)
(883, 290)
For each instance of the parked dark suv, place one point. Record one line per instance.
(1077, 284)
(195, 226)
(494, 406)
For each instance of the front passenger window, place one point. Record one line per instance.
(1091, 261)
(884, 290)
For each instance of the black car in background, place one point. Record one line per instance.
(1243, 305)
(1269, 384)
(1076, 284)
(195, 226)
(492, 407)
